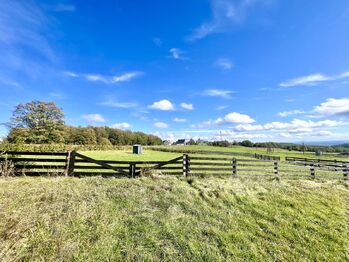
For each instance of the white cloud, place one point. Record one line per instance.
(231, 135)
(218, 93)
(285, 135)
(203, 125)
(235, 118)
(114, 104)
(94, 118)
(113, 79)
(248, 127)
(106, 79)
(224, 63)
(126, 77)
(160, 125)
(164, 105)
(291, 113)
(187, 106)
(177, 54)
(96, 78)
(313, 79)
(305, 80)
(333, 106)
(122, 125)
(225, 14)
(179, 120)
(71, 74)
(221, 107)
(296, 125)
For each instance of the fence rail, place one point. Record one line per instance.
(315, 160)
(205, 152)
(75, 164)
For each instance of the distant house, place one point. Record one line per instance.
(181, 142)
(167, 142)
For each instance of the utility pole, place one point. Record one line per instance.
(303, 147)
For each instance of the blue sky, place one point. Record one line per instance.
(264, 70)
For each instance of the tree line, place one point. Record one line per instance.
(273, 145)
(39, 122)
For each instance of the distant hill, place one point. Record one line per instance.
(326, 143)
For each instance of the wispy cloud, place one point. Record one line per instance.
(117, 104)
(313, 79)
(295, 126)
(71, 74)
(305, 80)
(23, 30)
(177, 54)
(225, 14)
(126, 77)
(9, 82)
(218, 93)
(93, 118)
(202, 125)
(160, 125)
(179, 120)
(221, 107)
(291, 113)
(123, 125)
(187, 106)
(224, 63)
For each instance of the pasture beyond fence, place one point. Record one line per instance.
(75, 164)
(207, 152)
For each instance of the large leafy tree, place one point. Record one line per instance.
(41, 122)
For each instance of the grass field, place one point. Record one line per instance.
(173, 219)
(286, 169)
(241, 149)
(126, 154)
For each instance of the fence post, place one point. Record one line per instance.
(188, 166)
(345, 170)
(276, 168)
(70, 163)
(185, 165)
(234, 164)
(132, 170)
(312, 170)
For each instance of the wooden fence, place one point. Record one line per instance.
(76, 164)
(252, 167)
(315, 160)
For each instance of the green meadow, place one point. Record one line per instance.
(173, 219)
(126, 153)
